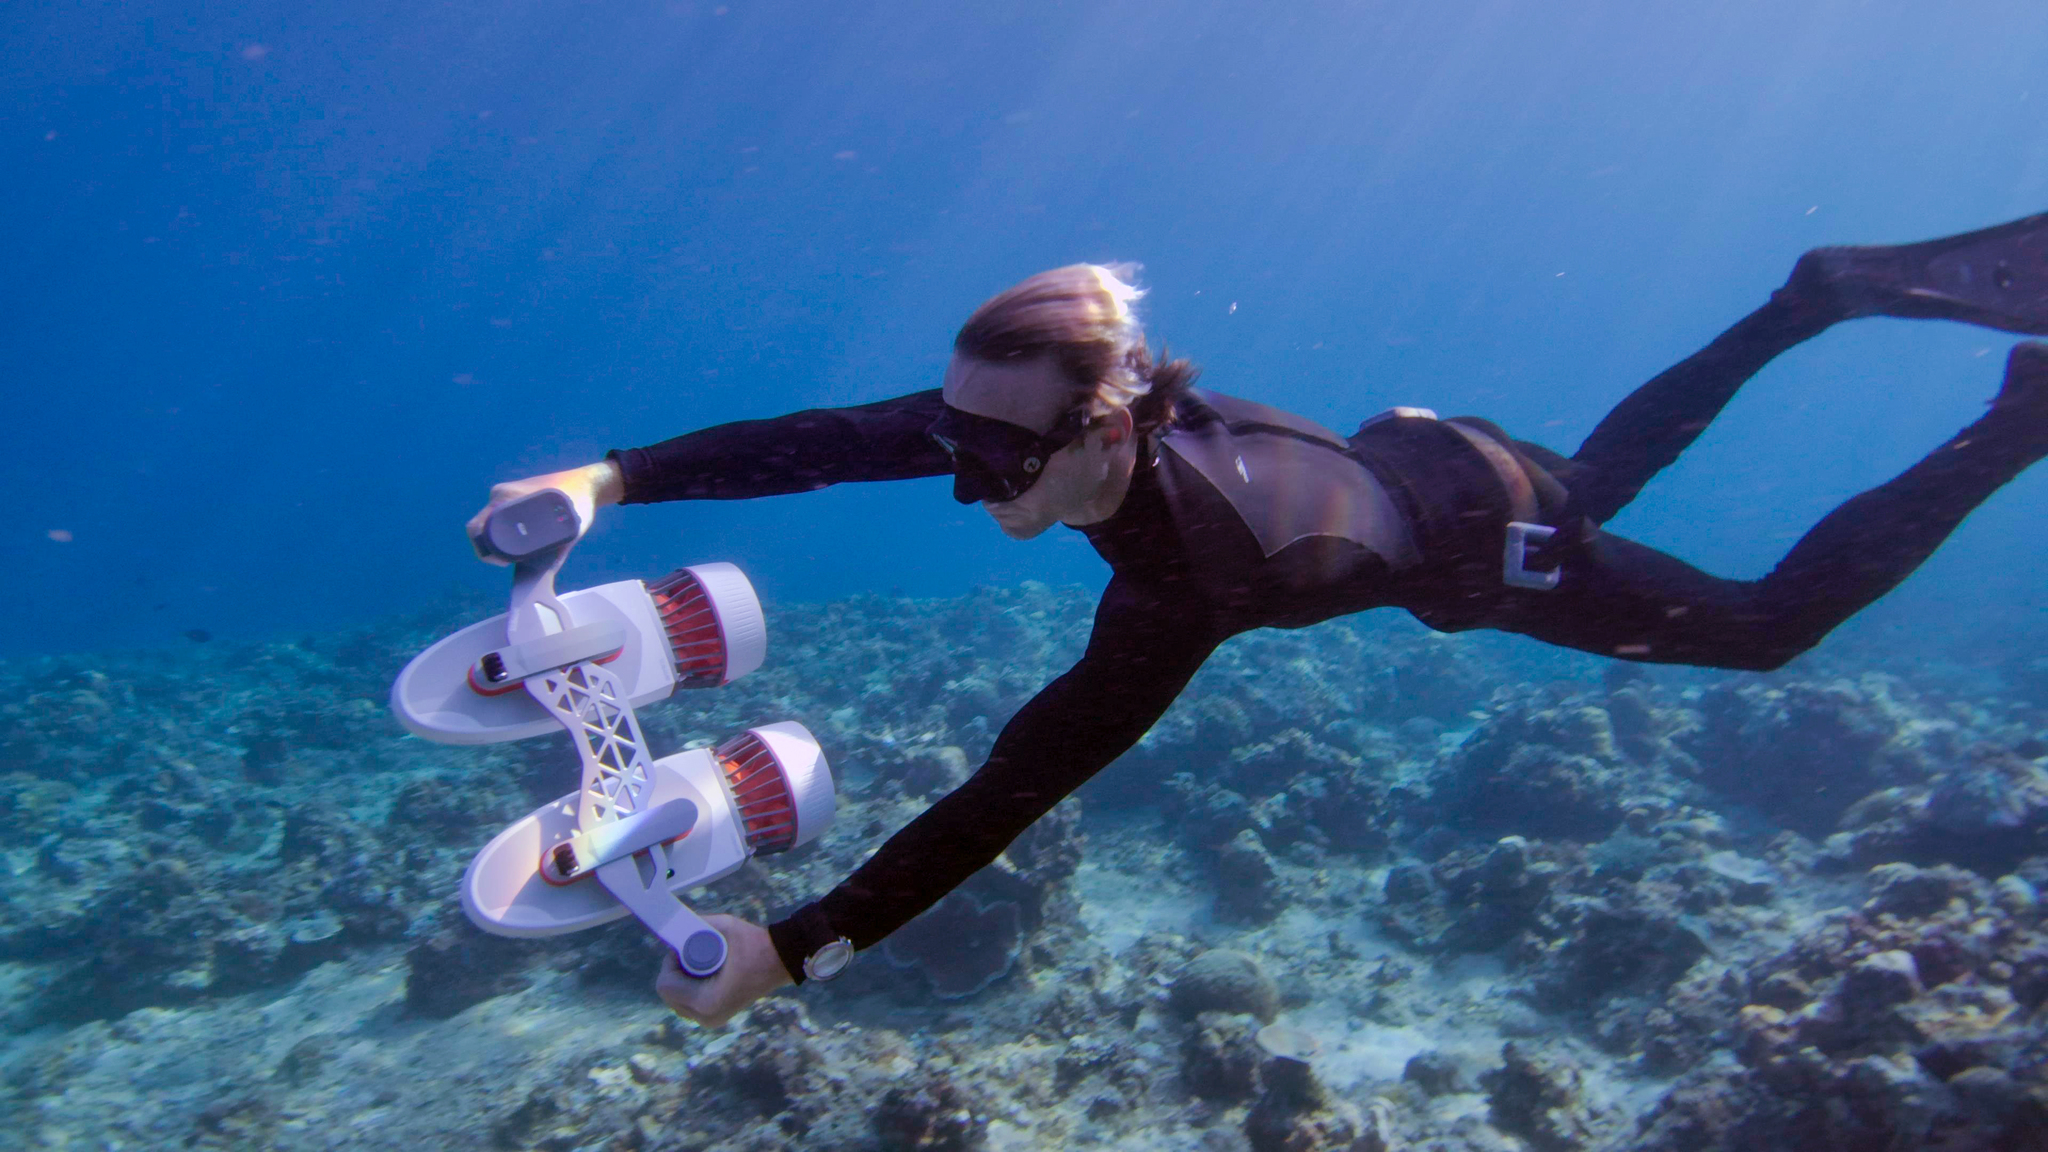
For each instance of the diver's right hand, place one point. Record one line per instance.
(588, 488)
(752, 970)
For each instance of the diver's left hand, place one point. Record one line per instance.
(752, 970)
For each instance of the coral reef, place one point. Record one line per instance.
(1989, 811)
(1294, 1112)
(455, 966)
(1479, 895)
(976, 935)
(961, 945)
(1225, 981)
(1248, 887)
(1804, 752)
(931, 1116)
(1539, 1098)
(1902, 1024)
(1435, 1072)
(1220, 1059)
(1535, 771)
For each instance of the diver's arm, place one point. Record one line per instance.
(795, 453)
(1143, 650)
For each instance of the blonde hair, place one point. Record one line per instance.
(1082, 316)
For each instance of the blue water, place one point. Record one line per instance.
(289, 285)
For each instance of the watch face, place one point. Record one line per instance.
(830, 960)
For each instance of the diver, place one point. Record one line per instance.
(1218, 515)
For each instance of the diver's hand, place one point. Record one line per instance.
(588, 488)
(752, 970)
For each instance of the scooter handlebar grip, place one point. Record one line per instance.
(702, 953)
(530, 525)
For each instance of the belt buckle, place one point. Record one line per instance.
(1514, 570)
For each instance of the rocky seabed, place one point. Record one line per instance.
(1365, 888)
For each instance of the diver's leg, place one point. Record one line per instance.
(1627, 600)
(1996, 277)
(1643, 434)
(1864, 548)
(1620, 598)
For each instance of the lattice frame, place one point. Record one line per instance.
(591, 704)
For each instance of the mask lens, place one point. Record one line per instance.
(974, 481)
(993, 460)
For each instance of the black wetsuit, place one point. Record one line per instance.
(1241, 517)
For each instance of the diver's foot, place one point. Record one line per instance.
(1996, 277)
(2025, 392)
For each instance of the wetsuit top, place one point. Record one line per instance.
(1239, 516)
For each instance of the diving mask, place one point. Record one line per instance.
(995, 460)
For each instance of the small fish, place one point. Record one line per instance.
(198, 635)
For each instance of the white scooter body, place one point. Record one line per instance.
(638, 830)
(504, 892)
(434, 701)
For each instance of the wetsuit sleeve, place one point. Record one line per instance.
(795, 453)
(1141, 654)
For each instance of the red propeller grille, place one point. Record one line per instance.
(767, 807)
(693, 632)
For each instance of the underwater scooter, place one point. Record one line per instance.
(637, 831)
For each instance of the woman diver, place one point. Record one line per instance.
(1218, 515)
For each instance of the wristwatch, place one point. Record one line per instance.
(829, 961)
(809, 946)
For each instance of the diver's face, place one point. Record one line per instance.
(1063, 493)
(1034, 395)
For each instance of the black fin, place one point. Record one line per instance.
(1996, 277)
